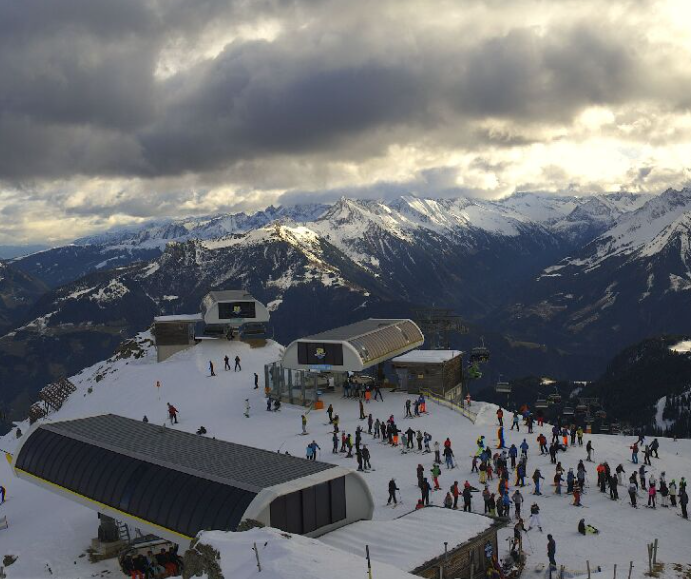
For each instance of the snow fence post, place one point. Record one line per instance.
(587, 564)
(630, 568)
(650, 557)
(655, 553)
(256, 552)
(369, 562)
(615, 571)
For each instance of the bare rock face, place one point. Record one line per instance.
(201, 560)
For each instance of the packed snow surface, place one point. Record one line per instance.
(49, 534)
(384, 537)
(285, 556)
(427, 356)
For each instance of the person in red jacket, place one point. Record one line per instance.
(172, 413)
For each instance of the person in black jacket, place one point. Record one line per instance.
(551, 550)
(426, 488)
(467, 498)
(392, 492)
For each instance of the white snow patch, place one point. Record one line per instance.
(682, 347)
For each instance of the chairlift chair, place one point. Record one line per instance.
(554, 398)
(479, 354)
(604, 428)
(503, 387)
(601, 414)
(541, 403)
(474, 372)
(568, 411)
(581, 408)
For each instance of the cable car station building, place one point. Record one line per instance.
(174, 484)
(309, 362)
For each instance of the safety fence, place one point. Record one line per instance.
(452, 405)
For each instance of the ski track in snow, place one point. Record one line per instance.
(48, 530)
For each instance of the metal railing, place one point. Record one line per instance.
(451, 404)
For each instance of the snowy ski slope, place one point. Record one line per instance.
(50, 532)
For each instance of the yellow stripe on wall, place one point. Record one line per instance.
(102, 505)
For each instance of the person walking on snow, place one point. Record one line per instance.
(436, 471)
(211, 369)
(551, 551)
(2, 494)
(303, 420)
(500, 416)
(448, 456)
(634, 453)
(256, 381)
(517, 499)
(226, 360)
(172, 413)
(238, 368)
(515, 422)
(247, 407)
(589, 449)
(392, 492)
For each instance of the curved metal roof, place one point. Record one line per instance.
(174, 480)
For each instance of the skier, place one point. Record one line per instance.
(634, 453)
(247, 408)
(303, 420)
(633, 493)
(2, 494)
(366, 458)
(427, 437)
(535, 517)
(654, 446)
(537, 475)
(420, 438)
(577, 495)
(370, 424)
(524, 448)
(237, 364)
(646, 455)
(651, 495)
(362, 410)
(500, 416)
(334, 439)
(551, 551)
(392, 492)
(315, 448)
(330, 412)
(256, 381)
(226, 360)
(683, 502)
(517, 499)
(513, 453)
(467, 498)
(377, 392)
(515, 422)
(641, 474)
(425, 489)
(211, 369)
(579, 434)
(436, 471)
(589, 449)
(500, 437)
(584, 529)
(570, 480)
(172, 413)
(409, 437)
(448, 456)
(437, 455)
(420, 471)
(408, 414)
(448, 500)
(673, 493)
(456, 493)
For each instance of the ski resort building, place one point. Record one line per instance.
(316, 363)
(173, 334)
(224, 314)
(230, 311)
(437, 371)
(454, 544)
(355, 347)
(173, 484)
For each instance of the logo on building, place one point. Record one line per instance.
(237, 310)
(320, 353)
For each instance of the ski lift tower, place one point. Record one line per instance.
(437, 324)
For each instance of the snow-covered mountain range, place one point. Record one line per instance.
(581, 276)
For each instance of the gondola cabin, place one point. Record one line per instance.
(436, 371)
(554, 398)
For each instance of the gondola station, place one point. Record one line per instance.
(325, 360)
(227, 314)
(173, 484)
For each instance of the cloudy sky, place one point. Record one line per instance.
(117, 111)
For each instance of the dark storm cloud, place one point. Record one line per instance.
(80, 94)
